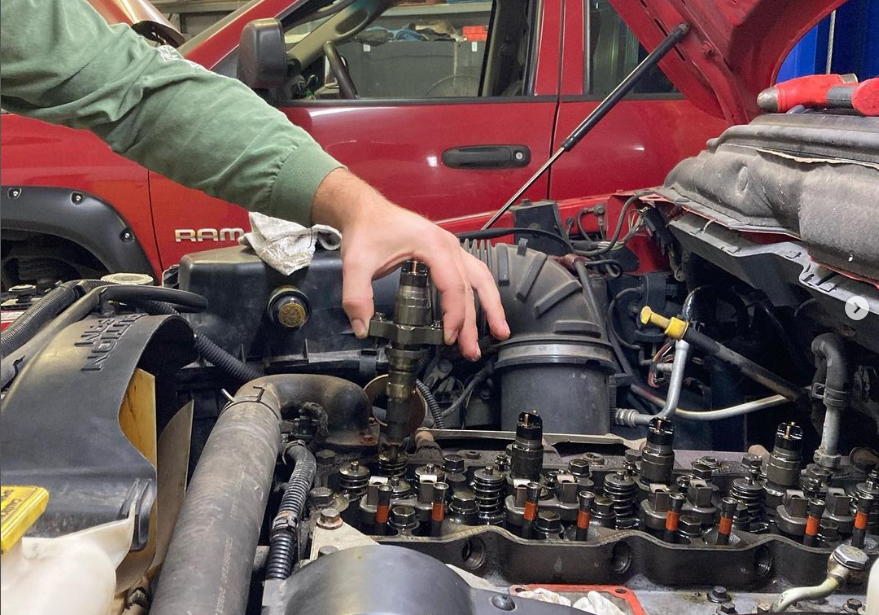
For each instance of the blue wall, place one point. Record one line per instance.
(855, 48)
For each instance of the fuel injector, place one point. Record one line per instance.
(526, 453)
(657, 454)
(783, 465)
(412, 328)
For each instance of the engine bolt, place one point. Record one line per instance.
(603, 512)
(689, 528)
(852, 606)
(403, 519)
(503, 602)
(502, 462)
(329, 519)
(320, 497)
(718, 594)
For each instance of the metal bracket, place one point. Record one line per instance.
(405, 335)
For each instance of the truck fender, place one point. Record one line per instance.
(79, 217)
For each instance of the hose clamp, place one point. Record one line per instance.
(285, 521)
(832, 398)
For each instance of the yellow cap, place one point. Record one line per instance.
(292, 315)
(673, 327)
(20, 507)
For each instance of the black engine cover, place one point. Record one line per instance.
(239, 286)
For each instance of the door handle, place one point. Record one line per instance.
(487, 157)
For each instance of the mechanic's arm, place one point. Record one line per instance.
(63, 64)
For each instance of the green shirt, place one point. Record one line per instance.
(60, 62)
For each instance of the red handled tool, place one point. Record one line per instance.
(822, 92)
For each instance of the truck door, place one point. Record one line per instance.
(456, 108)
(456, 103)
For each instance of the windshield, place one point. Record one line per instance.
(231, 17)
(196, 40)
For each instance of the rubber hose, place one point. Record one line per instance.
(215, 355)
(209, 561)
(746, 366)
(35, 317)
(439, 421)
(796, 594)
(829, 351)
(210, 351)
(283, 543)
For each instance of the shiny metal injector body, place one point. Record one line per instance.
(412, 328)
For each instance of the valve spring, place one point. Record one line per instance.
(488, 487)
(750, 494)
(431, 470)
(622, 490)
(353, 480)
(400, 488)
(392, 468)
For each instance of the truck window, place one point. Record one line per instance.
(421, 50)
(614, 52)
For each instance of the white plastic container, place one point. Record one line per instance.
(74, 574)
(873, 591)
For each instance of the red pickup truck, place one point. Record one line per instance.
(445, 107)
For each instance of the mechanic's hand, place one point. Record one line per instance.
(378, 236)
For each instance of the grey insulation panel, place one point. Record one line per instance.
(814, 176)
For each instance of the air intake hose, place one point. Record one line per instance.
(208, 565)
(557, 359)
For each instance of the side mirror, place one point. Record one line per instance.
(262, 55)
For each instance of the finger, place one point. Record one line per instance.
(489, 298)
(468, 339)
(357, 297)
(446, 274)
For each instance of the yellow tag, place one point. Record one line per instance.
(20, 507)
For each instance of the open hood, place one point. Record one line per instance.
(735, 47)
(142, 16)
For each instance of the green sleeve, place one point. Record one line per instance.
(62, 63)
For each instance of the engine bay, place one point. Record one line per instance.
(684, 419)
